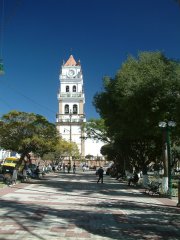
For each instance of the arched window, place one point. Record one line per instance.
(74, 88)
(67, 88)
(66, 109)
(75, 109)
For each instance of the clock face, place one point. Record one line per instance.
(71, 73)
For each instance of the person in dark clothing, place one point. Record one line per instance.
(53, 168)
(69, 167)
(74, 168)
(133, 179)
(100, 172)
(37, 172)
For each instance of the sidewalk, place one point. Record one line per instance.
(74, 206)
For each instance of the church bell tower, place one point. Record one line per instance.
(71, 100)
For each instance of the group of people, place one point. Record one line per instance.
(68, 167)
(10, 178)
(27, 172)
(85, 167)
(133, 179)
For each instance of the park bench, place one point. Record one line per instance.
(153, 188)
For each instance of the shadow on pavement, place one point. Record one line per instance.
(102, 215)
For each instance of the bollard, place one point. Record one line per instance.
(178, 205)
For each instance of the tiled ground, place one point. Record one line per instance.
(68, 206)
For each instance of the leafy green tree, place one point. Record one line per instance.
(109, 151)
(96, 129)
(27, 132)
(144, 92)
(178, 1)
(175, 150)
(62, 150)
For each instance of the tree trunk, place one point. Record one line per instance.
(165, 184)
(145, 180)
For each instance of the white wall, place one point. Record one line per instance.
(93, 147)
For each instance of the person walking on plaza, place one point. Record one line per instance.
(74, 168)
(14, 176)
(100, 172)
(69, 167)
(64, 167)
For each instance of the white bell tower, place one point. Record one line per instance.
(71, 102)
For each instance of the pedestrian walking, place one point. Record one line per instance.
(64, 167)
(69, 167)
(53, 168)
(100, 173)
(14, 176)
(74, 168)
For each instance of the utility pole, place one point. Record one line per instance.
(70, 132)
(70, 135)
(169, 161)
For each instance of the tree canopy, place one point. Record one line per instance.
(145, 91)
(96, 129)
(62, 150)
(27, 132)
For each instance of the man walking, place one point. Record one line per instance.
(74, 168)
(100, 172)
(69, 167)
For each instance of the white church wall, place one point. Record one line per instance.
(93, 147)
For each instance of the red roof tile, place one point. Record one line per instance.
(70, 61)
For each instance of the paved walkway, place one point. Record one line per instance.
(74, 206)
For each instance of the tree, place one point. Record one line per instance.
(178, 1)
(27, 132)
(96, 129)
(89, 157)
(109, 151)
(144, 91)
(63, 149)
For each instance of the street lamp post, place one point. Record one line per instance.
(70, 132)
(70, 128)
(167, 126)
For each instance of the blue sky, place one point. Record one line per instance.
(40, 34)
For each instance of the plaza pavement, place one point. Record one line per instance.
(74, 206)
